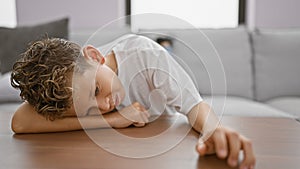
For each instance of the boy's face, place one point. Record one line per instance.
(97, 90)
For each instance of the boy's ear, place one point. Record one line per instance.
(90, 52)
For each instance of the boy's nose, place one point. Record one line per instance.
(104, 105)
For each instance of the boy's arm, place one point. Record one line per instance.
(27, 120)
(225, 142)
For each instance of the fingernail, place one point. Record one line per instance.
(233, 162)
(244, 167)
(222, 153)
(200, 146)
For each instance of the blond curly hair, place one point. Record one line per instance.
(43, 74)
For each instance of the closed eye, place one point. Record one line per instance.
(97, 90)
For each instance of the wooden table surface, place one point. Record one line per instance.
(276, 143)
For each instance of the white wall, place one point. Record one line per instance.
(8, 13)
(83, 14)
(273, 14)
(93, 14)
(199, 13)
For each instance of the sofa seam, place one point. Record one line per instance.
(252, 61)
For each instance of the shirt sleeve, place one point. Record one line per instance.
(174, 82)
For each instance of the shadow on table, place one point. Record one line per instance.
(212, 162)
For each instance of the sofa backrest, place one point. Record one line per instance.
(97, 37)
(276, 60)
(233, 47)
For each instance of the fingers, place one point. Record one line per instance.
(142, 115)
(234, 148)
(220, 141)
(142, 112)
(216, 143)
(249, 157)
(205, 148)
(139, 124)
(201, 148)
(145, 116)
(228, 143)
(235, 142)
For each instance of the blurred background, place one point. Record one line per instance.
(257, 40)
(92, 14)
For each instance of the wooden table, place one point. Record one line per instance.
(276, 143)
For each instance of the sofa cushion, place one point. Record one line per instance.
(237, 106)
(15, 40)
(7, 92)
(233, 47)
(276, 60)
(287, 104)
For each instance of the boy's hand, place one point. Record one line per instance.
(134, 114)
(226, 142)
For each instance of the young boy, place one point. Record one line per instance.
(62, 84)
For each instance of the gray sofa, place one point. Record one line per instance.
(261, 69)
(243, 73)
